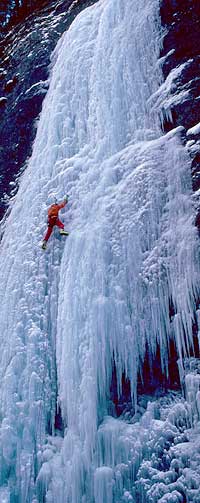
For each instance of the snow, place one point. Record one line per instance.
(163, 59)
(39, 87)
(194, 131)
(102, 296)
(3, 99)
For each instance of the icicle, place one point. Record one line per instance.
(103, 484)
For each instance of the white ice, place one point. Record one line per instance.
(103, 295)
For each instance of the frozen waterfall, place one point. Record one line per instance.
(101, 298)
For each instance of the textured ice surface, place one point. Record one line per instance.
(103, 295)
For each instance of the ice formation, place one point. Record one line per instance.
(102, 296)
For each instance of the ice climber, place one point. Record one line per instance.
(53, 220)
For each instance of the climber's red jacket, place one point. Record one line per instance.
(54, 209)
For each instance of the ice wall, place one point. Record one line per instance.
(104, 294)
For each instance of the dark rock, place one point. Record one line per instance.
(9, 86)
(181, 23)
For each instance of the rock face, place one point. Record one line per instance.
(181, 53)
(181, 23)
(25, 57)
(12, 11)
